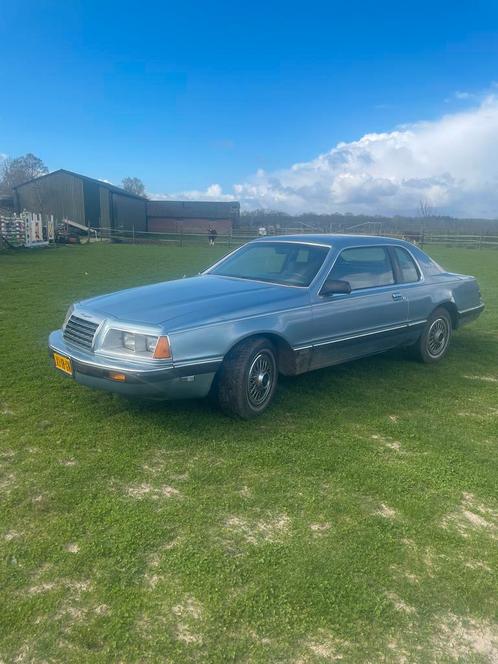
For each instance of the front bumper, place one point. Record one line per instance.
(168, 381)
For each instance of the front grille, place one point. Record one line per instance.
(80, 331)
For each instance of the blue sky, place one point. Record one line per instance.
(185, 95)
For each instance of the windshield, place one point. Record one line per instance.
(288, 263)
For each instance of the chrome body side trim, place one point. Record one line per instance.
(479, 307)
(362, 335)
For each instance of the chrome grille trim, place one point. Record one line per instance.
(80, 332)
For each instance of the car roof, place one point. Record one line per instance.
(335, 240)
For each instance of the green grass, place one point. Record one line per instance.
(358, 517)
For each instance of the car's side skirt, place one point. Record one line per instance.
(345, 348)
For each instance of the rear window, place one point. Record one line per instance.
(407, 266)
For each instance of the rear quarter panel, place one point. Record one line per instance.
(466, 293)
(459, 290)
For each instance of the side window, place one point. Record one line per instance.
(408, 269)
(364, 267)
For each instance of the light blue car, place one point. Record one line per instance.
(277, 305)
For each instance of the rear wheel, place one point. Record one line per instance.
(435, 339)
(248, 378)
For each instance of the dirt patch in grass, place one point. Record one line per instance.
(7, 454)
(387, 442)
(5, 409)
(67, 462)
(152, 576)
(146, 490)
(322, 646)
(77, 587)
(152, 580)
(399, 604)
(258, 531)
(484, 379)
(7, 483)
(42, 588)
(471, 516)
(461, 639)
(386, 512)
(155, 558)
(189, 612)
(478, 565)
(12, 535)
(319, 529)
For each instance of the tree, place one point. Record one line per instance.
(425, 209)
(19, 170)
(134, 186)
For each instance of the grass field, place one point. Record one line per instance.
(357, 520)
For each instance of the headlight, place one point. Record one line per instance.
(140, 345)
(68, 316)
(150, 344)
(129, 341)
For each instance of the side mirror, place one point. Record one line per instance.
(333, 286)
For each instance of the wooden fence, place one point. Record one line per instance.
(236, 238)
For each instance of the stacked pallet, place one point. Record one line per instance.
(13, 230)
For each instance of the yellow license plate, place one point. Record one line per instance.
(63, 363)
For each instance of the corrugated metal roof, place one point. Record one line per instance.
(193, 209)
(107, 185)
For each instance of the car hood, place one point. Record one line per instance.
(194, 301)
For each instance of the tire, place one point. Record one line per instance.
(248, 378)
(434, 341)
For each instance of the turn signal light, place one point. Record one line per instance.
(121, 377)
(163, 350)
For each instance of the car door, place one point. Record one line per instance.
(370, 319)
(412, 285)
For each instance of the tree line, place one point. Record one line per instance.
(364, 223)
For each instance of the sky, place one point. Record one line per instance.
(319, 106)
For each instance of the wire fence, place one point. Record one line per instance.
(240, 236)
(237, 237)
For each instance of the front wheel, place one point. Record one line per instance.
(435, 339)
(248, 378)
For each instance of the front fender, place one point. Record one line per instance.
(292, 326)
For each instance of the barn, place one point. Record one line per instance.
(84, 200)
(101, 205)
(192, 216)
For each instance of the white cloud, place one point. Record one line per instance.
(451, 163)
(213, 193)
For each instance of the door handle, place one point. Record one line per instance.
(398, 296)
